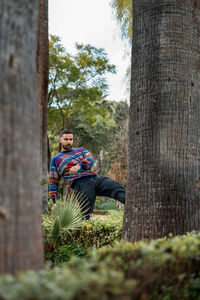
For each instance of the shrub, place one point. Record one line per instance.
(65, 217)
(155, 270)
(93, 233)
(100, 232)
(65, 252)
(104, 203)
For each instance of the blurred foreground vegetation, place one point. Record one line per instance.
(90, 262)
(167, 268)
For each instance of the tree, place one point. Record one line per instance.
(118, 158)
(21, 244)
(77, 84)
(123, 14)
(164, 147)
(115, 157)
(42, 91)
(120, 113)
(77, 95)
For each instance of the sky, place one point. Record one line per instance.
(92, 22)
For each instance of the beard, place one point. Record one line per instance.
(67, 147)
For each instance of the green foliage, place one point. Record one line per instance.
(120, 113)
(56, 228)
(105, 204)
(66, 216)
(65, 252)
(96, 232)
(160, 269)
(95, 137)
(122, 10)
(114, 159)
(123, 14)
(77, 91)
(77, 84)
(99, 232)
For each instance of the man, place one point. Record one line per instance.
(75, 165)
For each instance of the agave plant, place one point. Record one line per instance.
(66, 215)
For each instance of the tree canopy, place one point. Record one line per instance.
(77, 83)
(77, 97)
(123, 13)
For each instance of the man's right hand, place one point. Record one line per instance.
(73, 170)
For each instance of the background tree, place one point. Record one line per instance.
(77, 83)
(42, 93)
(164, 146)
(123, 13)
(77, 93)
(122, 10)
(20, 200)
(118, 157)
(114, 161)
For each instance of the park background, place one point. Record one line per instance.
(149, 250)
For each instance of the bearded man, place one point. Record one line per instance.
(75, 165)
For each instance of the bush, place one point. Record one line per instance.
(100, 232)
(104, 203)
(159, 269)
(65, 252)
(93, 233)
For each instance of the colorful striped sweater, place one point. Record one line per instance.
(62, 162)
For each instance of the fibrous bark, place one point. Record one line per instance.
(20, 199)
(42, 89)
(163, 193)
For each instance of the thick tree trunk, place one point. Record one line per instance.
(163, 193)
(42, 87)
(21, 244)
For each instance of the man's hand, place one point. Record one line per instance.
(53, 207)
(74, 169)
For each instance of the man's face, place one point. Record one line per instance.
(66, 141)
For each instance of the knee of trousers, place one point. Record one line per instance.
(121, 197)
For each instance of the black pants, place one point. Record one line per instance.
(99, 186)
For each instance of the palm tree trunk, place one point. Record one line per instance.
(42, 89)
(21, 245)
(163, 193)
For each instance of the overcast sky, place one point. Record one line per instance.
(92, 22)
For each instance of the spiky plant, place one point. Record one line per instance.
(66, 215)
(56, 229)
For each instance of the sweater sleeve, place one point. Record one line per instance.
(54, 179)
(87, 161)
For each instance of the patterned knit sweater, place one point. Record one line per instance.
(62, 162)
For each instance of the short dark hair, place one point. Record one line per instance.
(66, 131)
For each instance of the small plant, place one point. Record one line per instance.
(64, 217)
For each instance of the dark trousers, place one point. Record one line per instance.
(99, 186)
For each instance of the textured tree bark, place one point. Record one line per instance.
(42, 89)
(163, 193)
(20, 199)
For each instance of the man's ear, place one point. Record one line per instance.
(59, 139)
